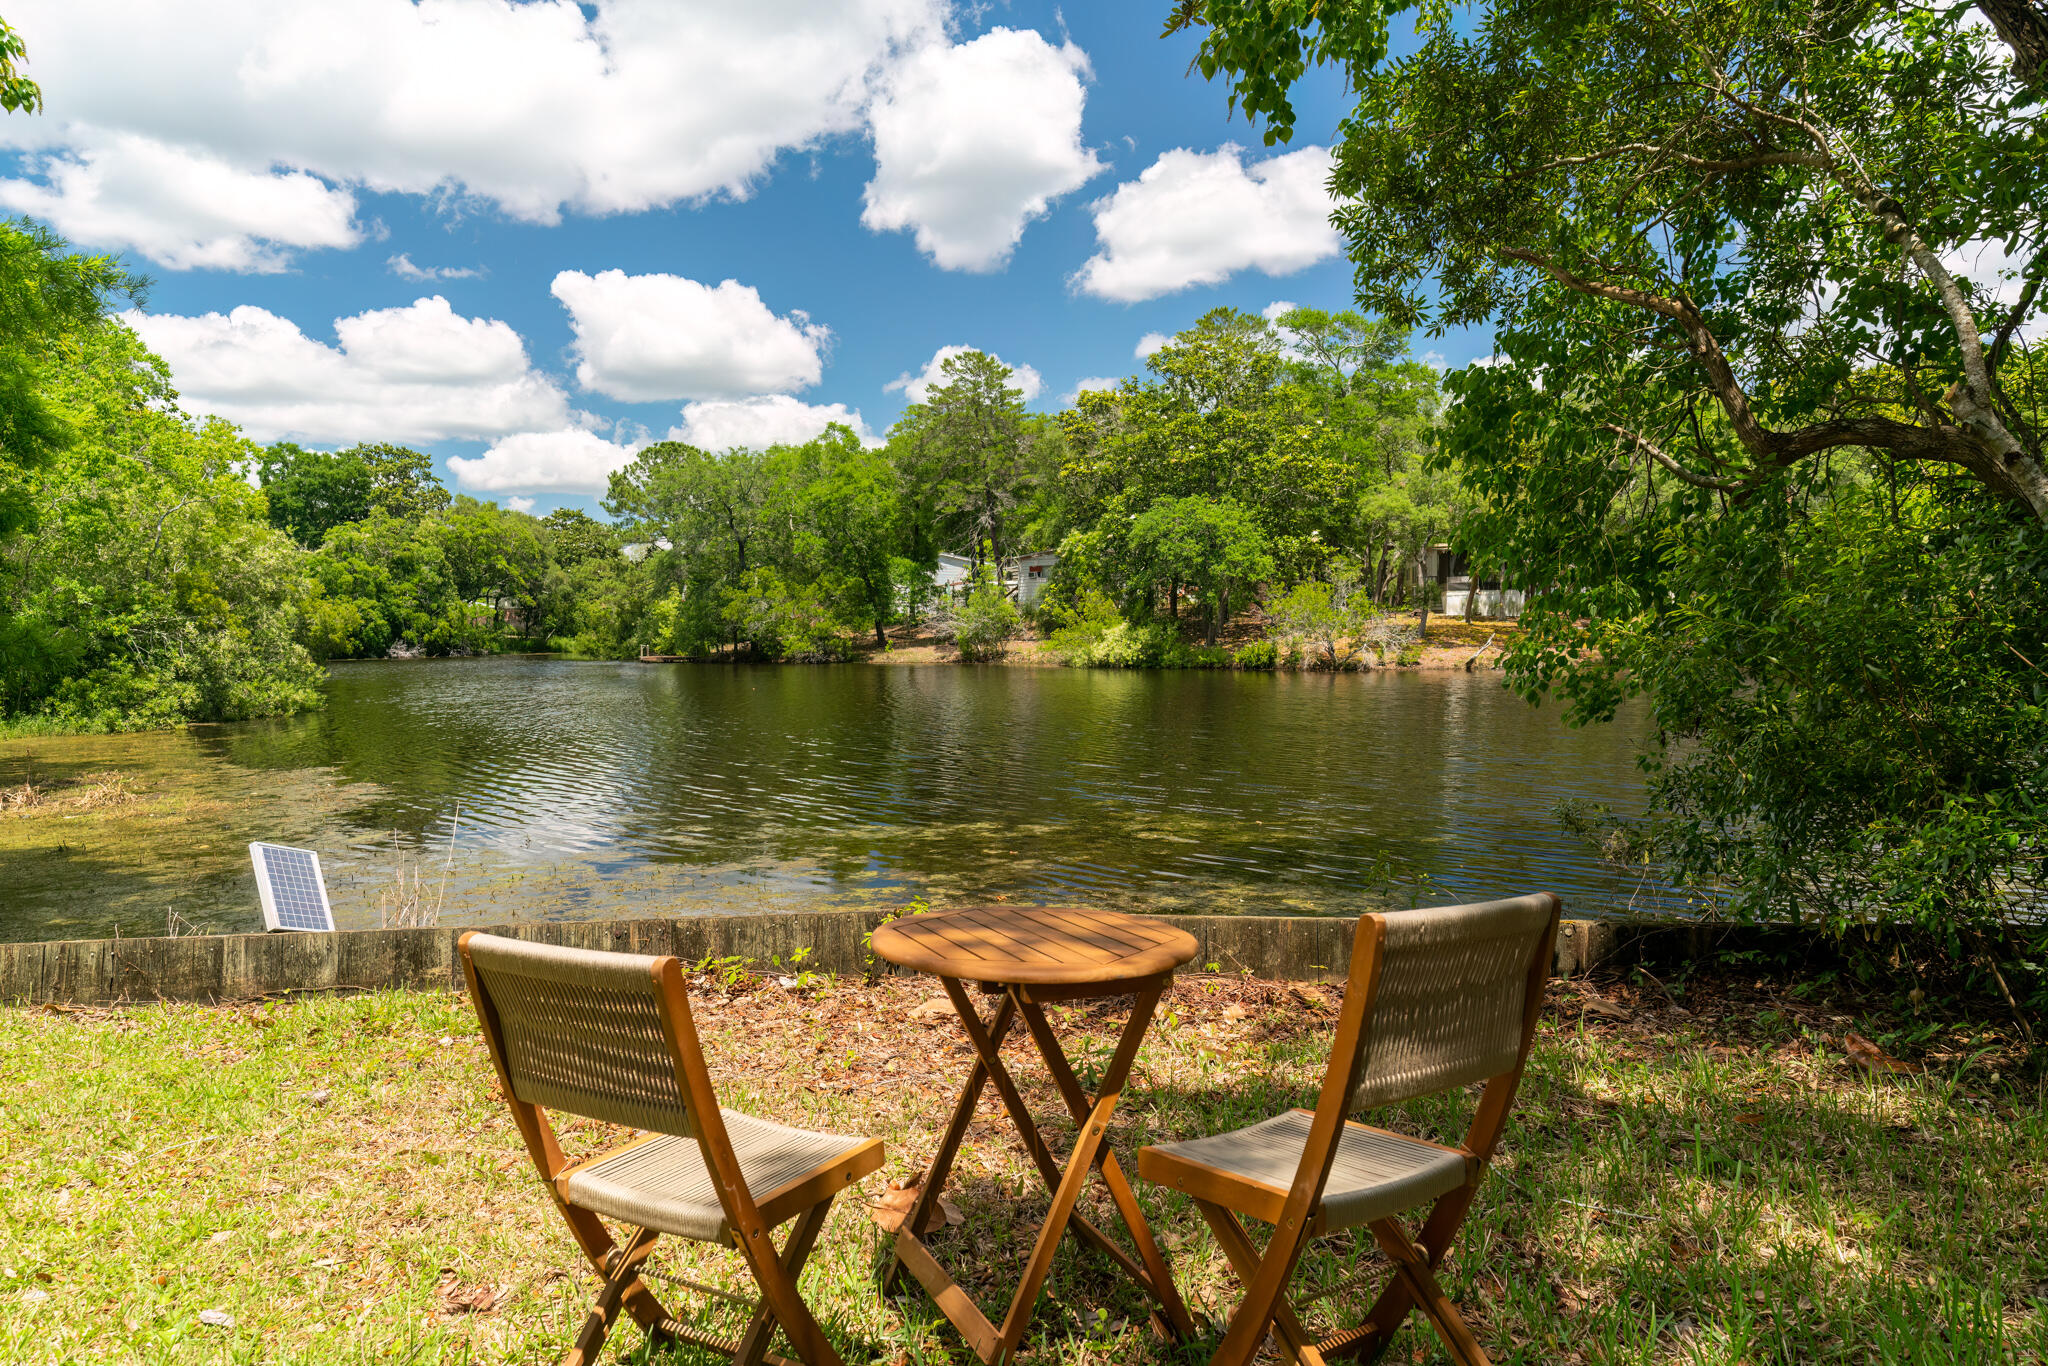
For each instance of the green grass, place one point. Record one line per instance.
(1713, 1186)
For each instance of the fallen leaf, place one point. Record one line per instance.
(1235, 1012)
(937, 1006)
(894, 1206)
(220, 1237)
(1867, 1054)
(458, 1299)
(1749, 1119)
(216, 1318)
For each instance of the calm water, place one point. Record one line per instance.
(583, 789)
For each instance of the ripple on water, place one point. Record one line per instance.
(588, 788)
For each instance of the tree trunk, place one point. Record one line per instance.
(2024, 27)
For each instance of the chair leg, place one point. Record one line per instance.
(1414, 1269)
(590, 1235)
(796, 1250)
(1244, 1260)
(624, 1273)
(779, 1292)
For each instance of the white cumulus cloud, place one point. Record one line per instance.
(974, 141)
(647, 337)
(1091, 384)
(531, 107)
(185, 208)
(521, 504)
(1196, 218)
(1151, 344)
(758, 423)
(418, 373)
(916, 387)
(567, 460)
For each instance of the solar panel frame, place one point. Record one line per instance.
(293, 891)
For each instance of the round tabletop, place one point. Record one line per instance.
(1034, 945)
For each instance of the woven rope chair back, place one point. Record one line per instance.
(583, 1032)
(1453, 985)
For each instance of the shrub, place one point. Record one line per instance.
(1259, 654)
(980, 626)
(1387, 635)
(1077, 631)
(1411, 654)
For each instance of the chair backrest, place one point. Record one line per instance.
(583, 1030)
(1452, 1002)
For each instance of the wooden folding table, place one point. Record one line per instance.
(1029, 956)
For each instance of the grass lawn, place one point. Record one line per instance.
(1693, 1178)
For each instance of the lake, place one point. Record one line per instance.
(542, 788)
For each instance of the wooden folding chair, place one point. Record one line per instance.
(1435, 1000)
(609, 1036)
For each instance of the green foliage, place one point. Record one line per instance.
(1728, 235)
(966, 458)
(1258, 654)
(1718, 243)
(1319, 623)
(386, 582)
(574, 537)
(17, 92)
(144, 587)
(47, 298)
(1212, 544)
(980, 626)
(783, 620)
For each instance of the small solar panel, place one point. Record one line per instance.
(294, 896)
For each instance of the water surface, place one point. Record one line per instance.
(584, 789)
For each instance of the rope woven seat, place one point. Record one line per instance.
(609, 1036)
(662, 1181)
(1435, 1000)
(1375, 1173)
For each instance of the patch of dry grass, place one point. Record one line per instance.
(1700, 1177)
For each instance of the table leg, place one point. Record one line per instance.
(956, 1129)
(1158, 1276)
(1093, 1129)
(993, 1345)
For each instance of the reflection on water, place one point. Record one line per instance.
(585, 788)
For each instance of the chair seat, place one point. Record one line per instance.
(1376, 1173)
(660, 1182)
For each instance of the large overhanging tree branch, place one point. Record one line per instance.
(1792, 188)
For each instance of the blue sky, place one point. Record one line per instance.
(1036, 182)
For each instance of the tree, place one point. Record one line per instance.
(385, 581)
(311, 492)
(574, 536)
(1212, 544)
(495, 556)
(1763, 448)
(842, 504)
(48, 298)
(143, 585)
(966, 449)
(1709, 226)
(1219, 419)
(402, 481)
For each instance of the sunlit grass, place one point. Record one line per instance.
(1711, 1187)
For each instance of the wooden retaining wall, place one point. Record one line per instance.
(243, 966)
